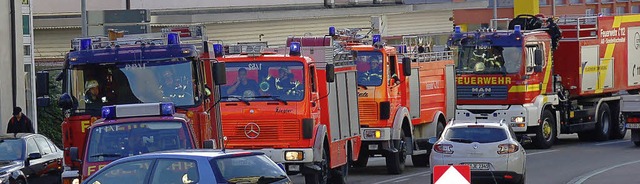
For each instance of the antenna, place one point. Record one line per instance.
(225, 143)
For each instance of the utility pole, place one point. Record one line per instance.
(83, 17)
(495, 9)
(553, 8)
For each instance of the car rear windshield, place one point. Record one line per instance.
(248, 169)
(475, 134)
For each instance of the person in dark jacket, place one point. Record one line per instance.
(554, 32)
(19, 123)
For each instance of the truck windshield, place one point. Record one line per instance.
(173, 80)
(369, 65)
(490, 60)
(264, 81)
(11, 149)
(111, 142)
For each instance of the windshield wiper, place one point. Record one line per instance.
(362, 86)
(270, 179)
(239, 98)
(462, 140)
(106, 155)
(273, 97)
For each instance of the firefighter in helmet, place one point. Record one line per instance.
(374, 74)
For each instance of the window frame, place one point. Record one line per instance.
(27, 151)
(147, 176)
(46, 145)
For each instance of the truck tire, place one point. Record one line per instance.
(396, 161)
(603, 123)
(546, 132)
(321, 177)
(339, 174)
(618, 130)
(363, 157)
(637, 143)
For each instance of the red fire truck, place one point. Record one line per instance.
(404, 98)
(514, 75)
(299, 110)
(143, 68)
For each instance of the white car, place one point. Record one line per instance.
(490, 149)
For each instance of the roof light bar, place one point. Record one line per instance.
(173, 38)
(294, 49)
(218, 50)
(85, 44)
(138, 110)
(332, 31)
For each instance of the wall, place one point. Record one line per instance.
(73, 6)
(6, 53)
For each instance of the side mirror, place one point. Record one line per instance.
(209, 144)
(34, 156)
(406, 66)
(331, 74)
(73, 153)
(538, 57)
(65, 102)
(42, 83)
(282, 167)
(219, 73)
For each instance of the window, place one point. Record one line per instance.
(128, 172)
(312, 77)
(590, 1)
(480, 135)
(237, 169)
(589, 11)
(531, 56)
(45, 149)
(25, 1)
(32, 147)
(176, 171)
(620, 10)
(26, 27)
(605, 11)
(575, 1)
(53, 146)
(543, 2)
(559, 2)
(27, 50)
(393, 73)
(635, 9)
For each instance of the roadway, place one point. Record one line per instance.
(569, 161)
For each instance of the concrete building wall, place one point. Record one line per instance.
(8, 55)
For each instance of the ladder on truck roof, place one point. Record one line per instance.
(194, 34)
(574, 27)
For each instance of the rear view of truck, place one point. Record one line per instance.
(630, 110)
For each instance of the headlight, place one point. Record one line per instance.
(369, 134)
(517, 119)
(293, 155)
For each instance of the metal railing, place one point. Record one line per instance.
(430, 56)
(580, 23)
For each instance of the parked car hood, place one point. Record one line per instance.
(9, 166)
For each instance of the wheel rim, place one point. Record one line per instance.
(546, 130)
(605, 122)
(621, 127)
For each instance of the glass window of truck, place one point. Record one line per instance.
(489, 59)
(370, 67)
(113, 141)
(264, 80)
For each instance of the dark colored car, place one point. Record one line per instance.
(29, 158)
(191, 166)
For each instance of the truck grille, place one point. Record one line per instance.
(368, 112)
(276, 131)
(482, 92)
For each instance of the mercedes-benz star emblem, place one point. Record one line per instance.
(252, 130)
(475, 146)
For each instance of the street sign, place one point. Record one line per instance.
(449, 174)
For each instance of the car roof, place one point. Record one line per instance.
(190, 153)
(18, 136)
(455, 124)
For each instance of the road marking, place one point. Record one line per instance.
(585, 177)
(611, 142)
(402, 177)
(541, 152)
(401, 180)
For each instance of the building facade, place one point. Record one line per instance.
(58, 21)
(16, 70)
(472, 19)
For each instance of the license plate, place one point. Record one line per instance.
(373, 147)
(478, 166)
(633, 125)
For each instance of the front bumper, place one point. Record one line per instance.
(465, 113)
(499, 176)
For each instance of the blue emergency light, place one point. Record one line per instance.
(457, 29)
(516, 29)
(294, 49)
(332, 31)
(218, 50)
(376, 38)
(109, 112)
(173, 38)
(138, 110)
(167, 109)
(85, 43)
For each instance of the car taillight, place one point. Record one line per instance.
(507, 148)
(633, 119)
(443, 148)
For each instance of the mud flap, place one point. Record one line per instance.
(635, 134)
